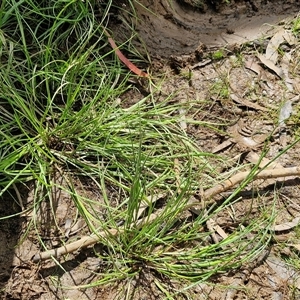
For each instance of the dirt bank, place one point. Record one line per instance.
(175, 27)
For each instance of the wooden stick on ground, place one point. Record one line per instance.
(74, 246)
(86, 241)
(238, 178)
(207, 195)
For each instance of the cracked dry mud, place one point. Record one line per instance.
(179, 38)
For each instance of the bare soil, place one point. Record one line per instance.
(182, 39)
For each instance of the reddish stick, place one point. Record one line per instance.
(122, 57)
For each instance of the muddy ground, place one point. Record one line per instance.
(231, 86)
(174, 27)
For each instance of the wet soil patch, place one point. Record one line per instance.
(179, 27)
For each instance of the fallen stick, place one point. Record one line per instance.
(74, 246)
(86, 241)
(123, 58)
(238, 178)
(207, 197)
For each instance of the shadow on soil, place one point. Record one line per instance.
(10, 230)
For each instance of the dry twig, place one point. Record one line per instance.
(238, 178)
(207, 196)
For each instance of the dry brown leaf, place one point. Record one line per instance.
(279, 37)
(68, 224)
(268, 63)
(77, 226)
(284, 271)
(287, 225)
(223, 146)
(271, 56)
(290, 38)
(274, 43)
(285, 112)
(146, 203)
(247, 103)
(253, 66)
(255, 158)
(256, 68)
(217, 228)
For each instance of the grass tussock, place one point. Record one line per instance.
(60, 114)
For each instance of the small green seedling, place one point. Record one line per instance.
(217, 55)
